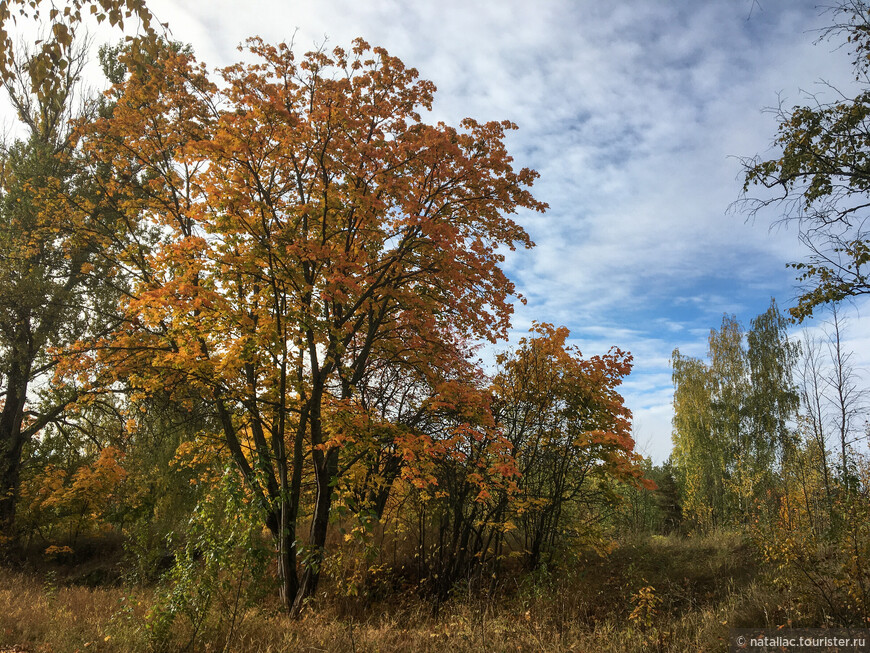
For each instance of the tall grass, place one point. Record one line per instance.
(650, 594)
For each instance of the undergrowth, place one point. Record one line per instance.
(649, 594)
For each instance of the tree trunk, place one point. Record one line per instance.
(11, 446)
(326, 471)
(286, 544)
(287, 553)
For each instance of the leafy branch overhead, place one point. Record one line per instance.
(821, 179)
(53, 56)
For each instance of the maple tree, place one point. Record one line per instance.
(569, 430)
(411, 413)
(520, 464)
(460, 484)
(77, 502)
(311, 226)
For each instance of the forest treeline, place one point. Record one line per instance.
(239, 338)
(770, 438)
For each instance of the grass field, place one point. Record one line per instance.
(650, 594)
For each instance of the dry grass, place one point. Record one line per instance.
(38, 615)
(704, 587)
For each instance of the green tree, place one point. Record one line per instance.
(732, 417)
(820, 178)
(699, 455)
(729, 368)
(51, 271)
(774, 398)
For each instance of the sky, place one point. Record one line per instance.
(635, 114)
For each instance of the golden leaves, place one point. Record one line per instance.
(46, 68)
(549, 398)
(78, 501)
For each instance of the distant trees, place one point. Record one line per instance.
(768, 427)
(731, 417)
(699, 453)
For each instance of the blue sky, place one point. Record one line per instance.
(633, 113)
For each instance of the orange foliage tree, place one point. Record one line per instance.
(62, 506)
(307, 226)
(569, 430)
(456, 485)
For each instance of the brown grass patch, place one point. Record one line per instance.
(703, 586)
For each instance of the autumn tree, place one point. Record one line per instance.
(460, 485)
(847, 399)
(312, 226)
(769, 406)
(819, 178)
(729, 369)
(570, 434)
(409, 410)
(814, 412)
